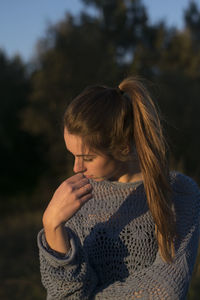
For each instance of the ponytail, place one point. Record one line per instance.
(109, 121)
(151, 150)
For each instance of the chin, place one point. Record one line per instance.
(98, 178)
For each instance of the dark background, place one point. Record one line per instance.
(79, 51)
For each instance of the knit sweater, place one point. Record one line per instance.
(114, 253)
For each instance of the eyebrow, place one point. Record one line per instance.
(80, 155)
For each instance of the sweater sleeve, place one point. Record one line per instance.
(167, 281)
(68, 277)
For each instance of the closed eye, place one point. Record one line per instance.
(88, 159)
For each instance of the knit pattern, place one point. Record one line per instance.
(114, 252)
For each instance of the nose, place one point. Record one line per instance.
(79, 165)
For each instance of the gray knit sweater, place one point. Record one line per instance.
(114, 252)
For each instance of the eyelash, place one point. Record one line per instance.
(88, 159)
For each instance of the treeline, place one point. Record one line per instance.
(115, 42)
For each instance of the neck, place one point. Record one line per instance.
(131, 177)
(129, 172)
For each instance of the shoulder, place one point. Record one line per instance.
(181, 183)
(186, 195)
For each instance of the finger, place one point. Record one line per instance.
(75, 178)
(81, 183)
(84, 190)
(85, 198)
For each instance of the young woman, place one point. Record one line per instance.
(123, 227)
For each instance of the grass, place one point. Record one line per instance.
(19, 261)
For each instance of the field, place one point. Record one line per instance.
(19, 263)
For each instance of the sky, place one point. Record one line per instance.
(23, 22)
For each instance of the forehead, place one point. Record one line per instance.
(74, 143)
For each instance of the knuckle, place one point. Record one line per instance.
(85, 180)
(90, 196)
(69, 188)
(74, 197)
(88, 187)
(79, 175)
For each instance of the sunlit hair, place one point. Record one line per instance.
(115, 121)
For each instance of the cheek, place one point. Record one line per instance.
(105, 167)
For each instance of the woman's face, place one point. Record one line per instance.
(92, 165)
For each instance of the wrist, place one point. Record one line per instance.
(50, 223)
(57, 237)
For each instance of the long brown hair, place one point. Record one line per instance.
(113, 121)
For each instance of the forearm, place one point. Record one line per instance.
(57, 238)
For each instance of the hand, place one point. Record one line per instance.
(70, 196)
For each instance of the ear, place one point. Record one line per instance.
(126, 150)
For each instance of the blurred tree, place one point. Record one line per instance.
(180, 78)
(192, 22)
(122, 23)
(18, 154)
